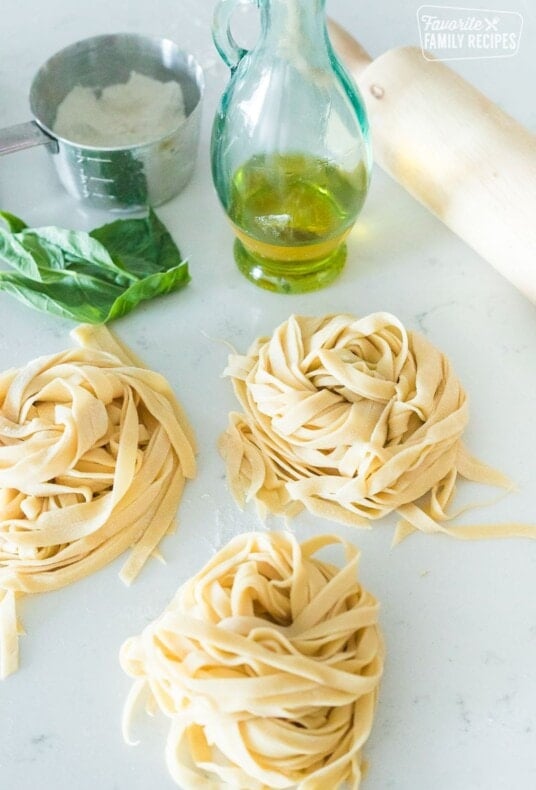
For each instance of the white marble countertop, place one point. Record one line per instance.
(458, 701)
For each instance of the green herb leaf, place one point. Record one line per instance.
(153, 285)
(91, 277)
(75, 247)
(15, 224)
(142, 245)
(14, 253)
(76, 299)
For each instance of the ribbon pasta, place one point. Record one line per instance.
(352, 419)
(268, 664)
(94, 452)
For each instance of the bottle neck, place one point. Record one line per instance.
(293, 23)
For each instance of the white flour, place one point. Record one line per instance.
(138, 111)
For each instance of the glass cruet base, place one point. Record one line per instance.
(300, 277)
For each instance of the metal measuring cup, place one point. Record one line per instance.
(116, 178)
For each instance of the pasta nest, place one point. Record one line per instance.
(94, 452)
(350, 418)
(268, 663)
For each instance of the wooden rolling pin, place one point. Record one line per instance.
(454, 150)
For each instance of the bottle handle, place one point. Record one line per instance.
(222, 36)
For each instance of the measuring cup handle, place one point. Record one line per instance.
(223, 38)
(24, 135)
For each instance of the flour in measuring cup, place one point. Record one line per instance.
(138, 111)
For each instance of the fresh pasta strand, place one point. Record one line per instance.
(268, 663)
(94, 453)
(352, 419)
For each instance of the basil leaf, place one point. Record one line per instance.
(14, 253)
(142, 245)
(44, 256)
(154, 285)
(79, 301)
(15, 224)
(90, 277)
(74, 246)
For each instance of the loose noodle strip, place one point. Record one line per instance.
(352, 419)
(268, 664)
(94, 453)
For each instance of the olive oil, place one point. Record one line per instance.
(291, 214)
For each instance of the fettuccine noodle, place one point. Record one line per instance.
(268, 663)
(94, 452)
(352, 419)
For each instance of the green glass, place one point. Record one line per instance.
(290, 147)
